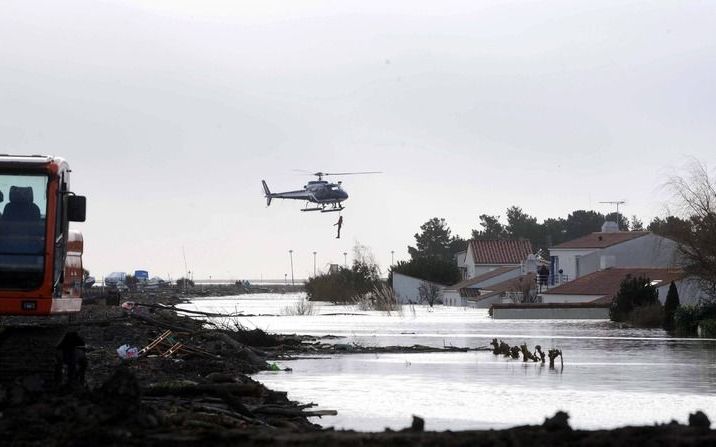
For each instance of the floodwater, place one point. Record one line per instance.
(611, 377)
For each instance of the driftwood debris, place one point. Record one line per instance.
(214, 389)
(502, 348)
(166, 345)
(283, 411)
(187, 311)
(526, 354)
(553, 354)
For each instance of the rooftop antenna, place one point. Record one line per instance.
(617, 203)
(186, 269)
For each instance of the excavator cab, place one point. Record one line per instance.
(40, 257)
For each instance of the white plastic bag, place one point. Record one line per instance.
(127, 352)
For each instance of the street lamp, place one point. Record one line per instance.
(290, 253)
(314, 263)
(345, 259)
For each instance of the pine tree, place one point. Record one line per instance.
(670, 306)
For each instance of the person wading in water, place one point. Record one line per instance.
(339, 224)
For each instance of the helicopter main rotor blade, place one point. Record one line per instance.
(348, 173)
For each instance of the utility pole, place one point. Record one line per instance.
(392, 252)
(290, 253)
(617, 203)
(314, 263)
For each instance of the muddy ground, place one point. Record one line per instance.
(193, 388)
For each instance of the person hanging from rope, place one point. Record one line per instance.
(339, 224)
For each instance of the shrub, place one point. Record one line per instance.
(181, 282)
(647, 316)
(686, 320)
(633, 293)
(429, 293)
(344, 285)
(708, 328)
(384, 299)
(381, 298)
(670, 306)
(303, 307)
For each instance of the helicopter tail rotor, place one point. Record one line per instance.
(267, 192)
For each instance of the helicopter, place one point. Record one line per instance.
(326, 196)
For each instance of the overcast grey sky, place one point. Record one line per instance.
(171, 112)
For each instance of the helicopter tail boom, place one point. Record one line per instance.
(267, 192)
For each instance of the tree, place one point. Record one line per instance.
(581, 223)
(695, 198)
(184, 283)
(671, 227)
(457, 244)
(492, 229)
(131, 281)
(636, 224)
(554, 231)
(434, 240)
(347, 284)
(670, 306)
(619, 218)
(520, 225)
(428, 268)
(634, 292)
(429, 293)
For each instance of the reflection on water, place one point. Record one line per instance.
(612, 376)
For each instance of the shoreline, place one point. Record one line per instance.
(206, 395)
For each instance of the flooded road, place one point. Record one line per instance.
(611, 377)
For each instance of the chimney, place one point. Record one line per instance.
(529, 265)
(610, 227)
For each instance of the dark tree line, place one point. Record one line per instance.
(436, 239)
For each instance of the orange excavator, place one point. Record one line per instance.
(41, 269)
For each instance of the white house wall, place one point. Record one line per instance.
(650, 251)
(562, 298)
(452, 298)
(690, 292)
(567, 260)
(406, 288)
(460, 258)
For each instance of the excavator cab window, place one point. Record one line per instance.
(22, 231)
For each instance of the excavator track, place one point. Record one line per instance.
(28, 354)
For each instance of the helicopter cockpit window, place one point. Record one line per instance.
(23, 211)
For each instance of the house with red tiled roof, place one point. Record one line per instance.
(484, 256)
(610, 248)
(600, 287)
(520, 289)
(458, 294)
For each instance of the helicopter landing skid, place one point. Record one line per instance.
(312, 209)
(332, 210)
